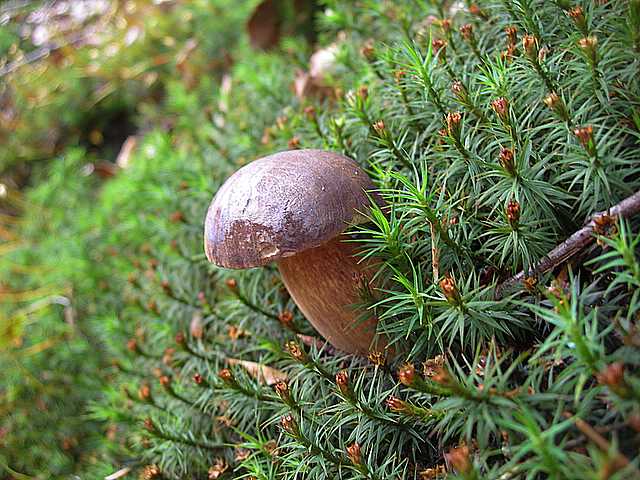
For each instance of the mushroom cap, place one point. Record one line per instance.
(282, 204)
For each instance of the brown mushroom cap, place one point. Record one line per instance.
(282, 204)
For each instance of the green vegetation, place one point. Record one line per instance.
(493, 131)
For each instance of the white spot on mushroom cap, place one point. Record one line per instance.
(268, 251)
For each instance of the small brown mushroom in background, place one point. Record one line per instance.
(291, 208)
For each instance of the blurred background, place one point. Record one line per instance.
(106, 106)
(119, 120)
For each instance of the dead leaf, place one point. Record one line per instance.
(187, 70)
(264, 25)
(259, 371)
(323, 63)
(195, 327)
(313, 83)
(105, 169)
(125, 151)
(225, 90)
(302, 85)
(305, 86)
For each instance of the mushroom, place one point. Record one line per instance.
(291, 208)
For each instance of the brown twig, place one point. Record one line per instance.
(628, 207)
(620, 461)
(601, 430)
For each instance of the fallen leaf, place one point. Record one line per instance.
(125, 152)
(264, 25)
(304, 85)
(259, 371)
(323, 63)
(105, 169)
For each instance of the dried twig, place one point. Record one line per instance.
(620, 461)
(600, 429)
(628, 207)
(119, 474)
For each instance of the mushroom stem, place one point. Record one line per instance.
(323, 282)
